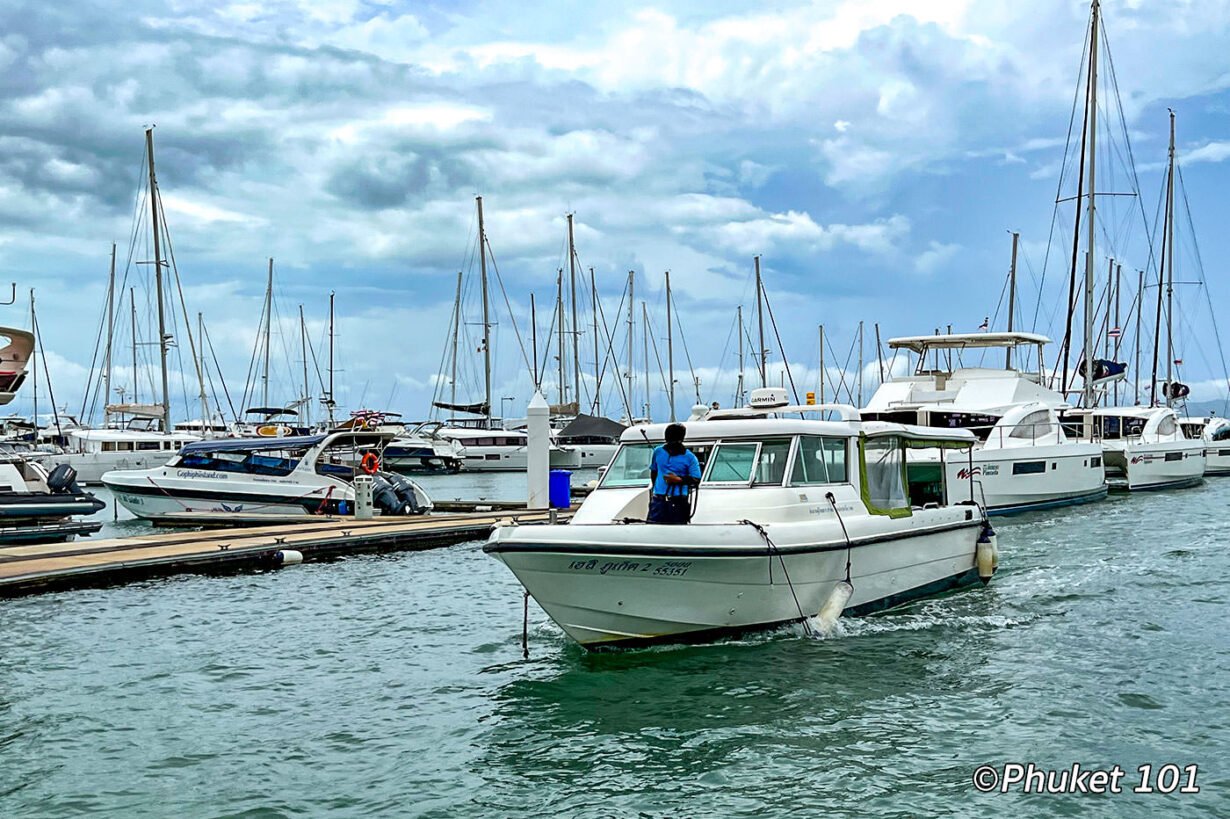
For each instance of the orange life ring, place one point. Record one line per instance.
(370, 463)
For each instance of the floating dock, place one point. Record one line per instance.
(50, 567)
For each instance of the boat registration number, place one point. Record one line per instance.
(667, 568)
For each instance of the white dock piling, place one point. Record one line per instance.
(538, 452)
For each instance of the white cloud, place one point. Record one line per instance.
(937, 256)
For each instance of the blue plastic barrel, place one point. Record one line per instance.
(559, 488)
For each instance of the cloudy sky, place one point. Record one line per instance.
(875, 153)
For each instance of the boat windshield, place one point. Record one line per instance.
(630, 467)
(262, 462)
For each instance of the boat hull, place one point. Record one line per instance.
(1021, 479)
(605, 587)
(1136, 467)
(155, 498)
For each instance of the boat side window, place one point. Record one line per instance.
(108, 446)
(771, 465)
(732, 463)
(1194, 431)
(1034, 425)
(819, 460)
(630, 467)
(1166, 426)
(883, 476)
(148, 446)
(1221, 434)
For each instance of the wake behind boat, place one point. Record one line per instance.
(787, 511)
(310, 474)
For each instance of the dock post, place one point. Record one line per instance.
(538, 452)
(363, 497)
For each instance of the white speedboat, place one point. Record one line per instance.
(310, 474)
(790, 513)
(422, 449)
(1024, 458)
(1215, 431)
(1145, 448)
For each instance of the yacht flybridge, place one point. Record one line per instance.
(309, 474)
(1024, 458)
(792, 515)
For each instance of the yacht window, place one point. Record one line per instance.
(1166, 426)
(1195, 431)
(884, 476)
(108, 446)
(1221, 433)
(123, 446)
(630, 467)
(1034, 425)
(147, 446)
(732, 463)
(771, 466)
(819, 460)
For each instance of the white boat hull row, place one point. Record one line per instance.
(514, 459)
(91, 466)
(605, 585)
(1138, 466)
(1024, 478)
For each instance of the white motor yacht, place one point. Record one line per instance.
(94, 452)
(1024, 459)
(502, 450)
(1145, 448)
(789, 514)
(310, 474)
(1215, 431)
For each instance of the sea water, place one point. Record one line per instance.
(394, 685)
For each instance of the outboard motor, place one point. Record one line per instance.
(414, 500)
(385, 496)
(63, 479)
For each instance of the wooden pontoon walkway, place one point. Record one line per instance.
(33, 569)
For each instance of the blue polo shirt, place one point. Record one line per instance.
(664, 463)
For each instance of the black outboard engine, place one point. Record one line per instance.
(63, 479)
(384, 496)
(408, 492)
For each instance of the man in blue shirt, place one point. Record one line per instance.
(675, 471)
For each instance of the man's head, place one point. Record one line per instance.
(675, 434)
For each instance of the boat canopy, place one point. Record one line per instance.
(253, 444)
(151, 411)
(592, 425)
(270, 411)
(919, 344)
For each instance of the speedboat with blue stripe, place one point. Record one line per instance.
(301, 475)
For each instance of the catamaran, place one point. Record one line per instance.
(792, 515)
(303, 475)
(1214, 430)
(1024, 459)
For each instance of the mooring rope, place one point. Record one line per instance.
(772, 548)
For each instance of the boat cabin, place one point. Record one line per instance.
(781, 455)
(334, 454)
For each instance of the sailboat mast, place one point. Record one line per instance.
(1170, 270)
(307, 403)
(110, 328)
(533, 341)
(452, 377)
(268, 334)
(1118, 328)
(200, 372)
(1140, 304)
(823, 376)
(670, 349)
(631, 330)
(559, 317)
(162, 321)
(593, 306)
(860, 364)
(645, 346)
(482, 266)
(763, 353)
(739, 333)
(1087, 387)
(330, 403)
(1011, 301)
(132, 303)
(576, 336)
(34, 363)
